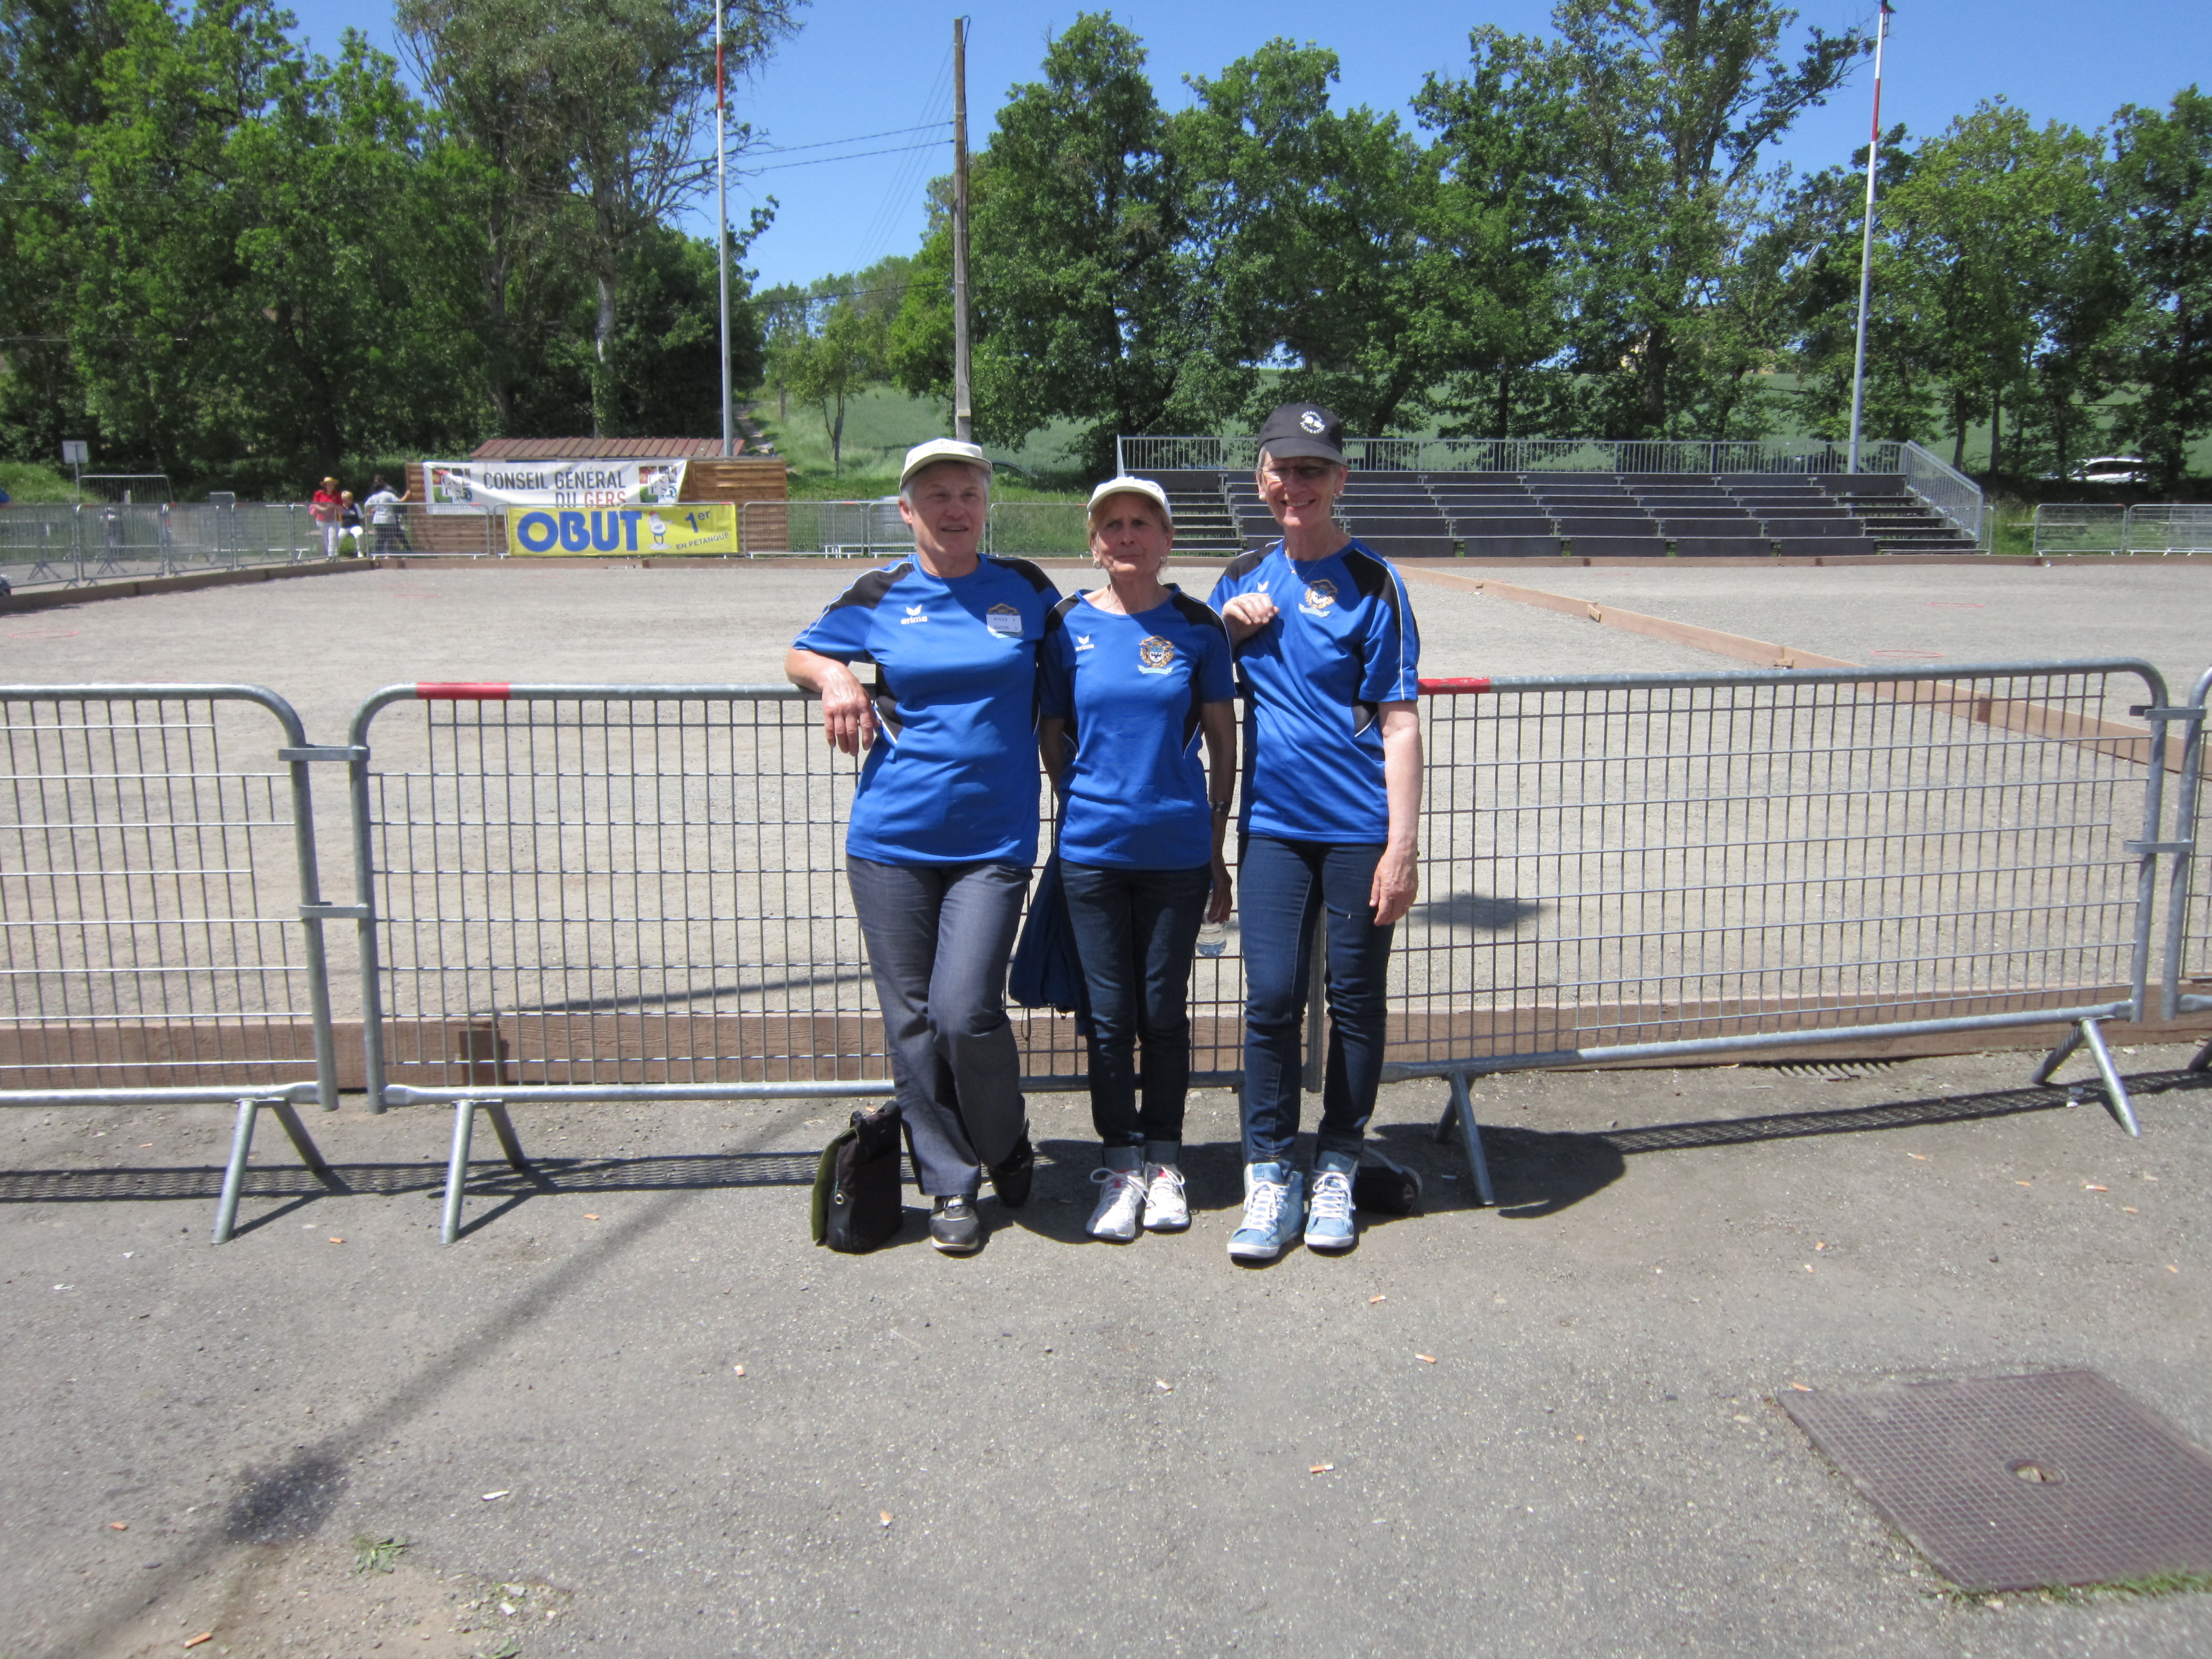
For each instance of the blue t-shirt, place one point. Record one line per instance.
(1130, 688)
(1343, 641)
(952, 778)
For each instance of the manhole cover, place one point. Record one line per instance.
(2011, 1482)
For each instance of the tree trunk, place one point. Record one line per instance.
(1997, 430)
(1504, 399)
(837, 440)
(1958, 432)
(603, 390)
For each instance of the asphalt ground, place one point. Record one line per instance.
(1552, 1434)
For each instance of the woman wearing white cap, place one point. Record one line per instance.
(1130, 675)
(944, 828)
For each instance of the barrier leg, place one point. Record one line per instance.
(457, 1168)
(1462, 1108)
(2116, 1091)
(503, 1127)
(2058, 1057)
(288, 1116)
(234, 1174)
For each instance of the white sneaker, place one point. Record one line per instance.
(1274, 1203)
(1166, 1209)
(1120, 1205)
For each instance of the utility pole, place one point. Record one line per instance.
(963, 418)
(722, 234)
(1866, 244)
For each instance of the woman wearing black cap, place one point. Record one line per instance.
(1328, 655)
(944, 830)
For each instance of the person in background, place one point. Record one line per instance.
(943, 828)
(386, 518)
(1328, 654)
(1133, 672)
(349, 524)
(324, 511)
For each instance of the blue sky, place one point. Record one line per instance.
(859, 67)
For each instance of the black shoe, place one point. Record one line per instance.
(1011, 1180)
(954, 1228)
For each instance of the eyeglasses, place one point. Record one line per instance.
(1307, 472)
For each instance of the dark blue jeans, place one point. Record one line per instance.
(938, 937)
(1133, 931)
(1285, 883)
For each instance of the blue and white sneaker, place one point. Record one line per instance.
(1275, 1199)
(1328, 1212)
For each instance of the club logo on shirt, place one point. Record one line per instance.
(1321, 596)
(1003, 619)
(1154, 655)
(913, 615)
(1083, 641)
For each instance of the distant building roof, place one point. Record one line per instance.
(597, 449)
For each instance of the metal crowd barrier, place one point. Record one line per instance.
(2164, 528)
(71, 546)
(160, 905)
(595, 892)
(2187, 980)
(1631, 867)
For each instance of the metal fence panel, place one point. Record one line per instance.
(2080, 527)
(873, 530)
(1684, 863)
(633, 887)
(2187, 977)
(160, 909)
(43, 545)
(156, 854)
(2168, 527)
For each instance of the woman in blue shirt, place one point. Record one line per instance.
(1329, 657)
(1129, 677)
(944, 830)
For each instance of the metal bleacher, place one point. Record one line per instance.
(1514, 515)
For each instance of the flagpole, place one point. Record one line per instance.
(1866, 244)
(722, 234)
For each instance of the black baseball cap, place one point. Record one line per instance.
(1302, 429)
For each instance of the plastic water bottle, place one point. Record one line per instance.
(1212, 939)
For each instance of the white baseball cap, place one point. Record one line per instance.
(942, 449)
(1129, 486)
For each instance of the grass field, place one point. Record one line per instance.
(881, 425)
(28, 481)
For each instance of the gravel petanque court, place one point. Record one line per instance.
(635, 1411)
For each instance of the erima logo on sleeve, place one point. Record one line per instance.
(1083, 641)
(913, 615)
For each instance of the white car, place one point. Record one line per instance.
(2111, 470)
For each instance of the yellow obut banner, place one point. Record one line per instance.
(582, 531)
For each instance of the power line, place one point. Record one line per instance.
(818, 160)
(857, 138)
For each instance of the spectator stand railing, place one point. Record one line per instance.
(160, 910)
(2186, 981)
(1633, 868)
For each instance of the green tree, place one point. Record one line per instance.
(1082, 305)
(833, 340)
(2018, 275)
(2161, 187)
(614, 97)
(1305, 226)
(1499, 217)
(1673, 105)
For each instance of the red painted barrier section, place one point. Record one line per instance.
(1453, 687)
(461, 690)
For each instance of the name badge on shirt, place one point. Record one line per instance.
(1003, 619)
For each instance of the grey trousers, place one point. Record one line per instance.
(938, 937)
